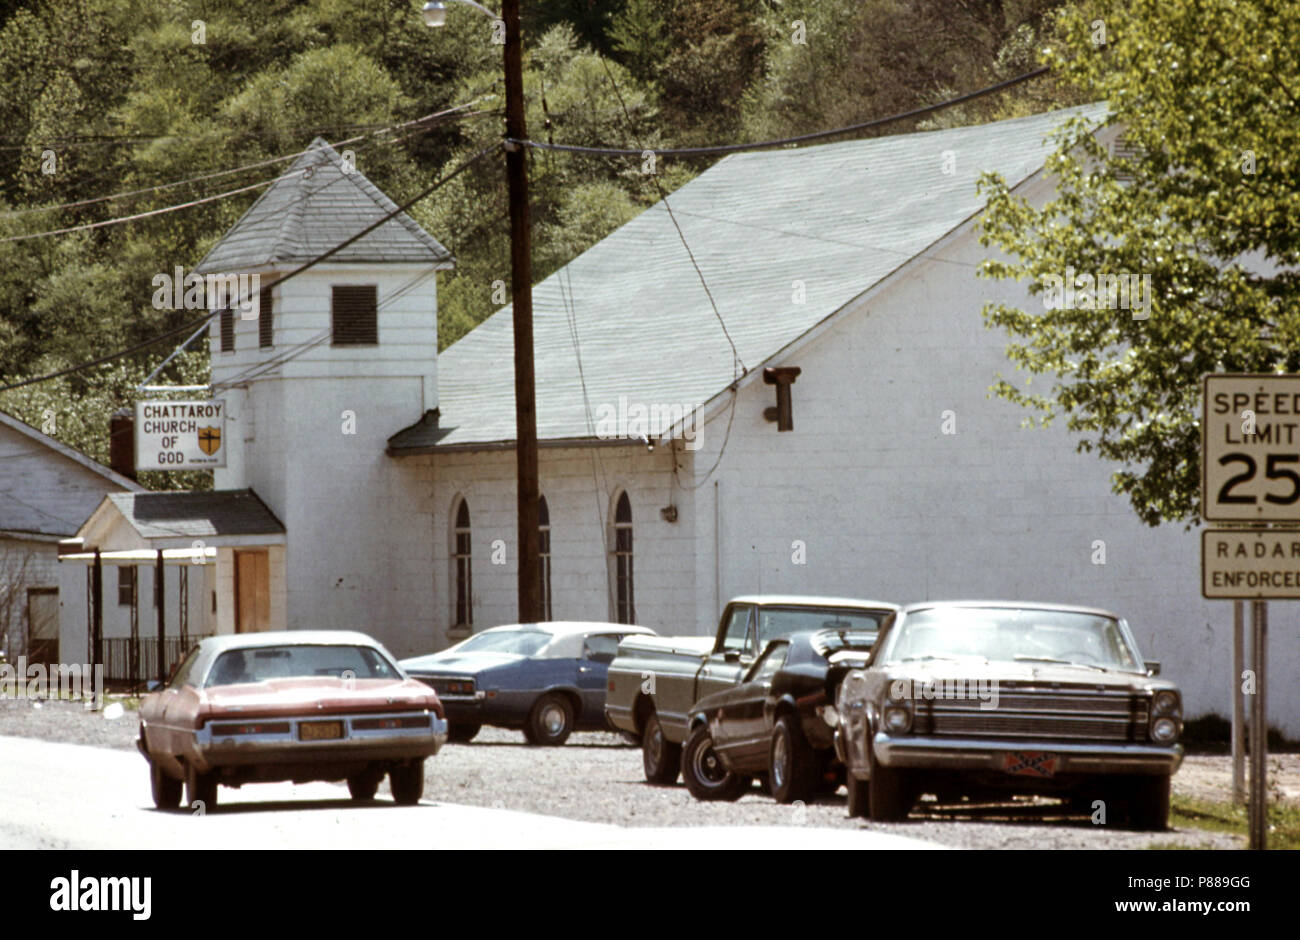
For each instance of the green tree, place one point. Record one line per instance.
(831, 63)
(1202, 199)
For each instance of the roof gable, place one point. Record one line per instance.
(784, 238)
(316, 204)
(70, 453)
(211, 514)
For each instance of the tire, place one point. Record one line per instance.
(407, 783)
(1146, 803)
(364, 786)
(462, 733)
(704, 773)
(859, 798)
(166, 790)
(889, 792)
(550, 722)
(200, 789)
(793, 766)
(660, 758)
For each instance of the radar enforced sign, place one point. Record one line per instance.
(1250, 449)
(1241, 564)
(180, 435)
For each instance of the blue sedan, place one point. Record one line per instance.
(548, 679)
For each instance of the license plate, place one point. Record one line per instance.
(1029, 763)
(320, 730)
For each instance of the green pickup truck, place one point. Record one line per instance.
(654, 681)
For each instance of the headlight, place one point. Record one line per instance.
(1164, 730)
(830, 715)
(898, 718)
(1166, 703)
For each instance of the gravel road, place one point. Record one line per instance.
(596, 777)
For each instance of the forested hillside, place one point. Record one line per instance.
(107, 97)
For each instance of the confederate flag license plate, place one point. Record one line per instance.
(1029, 763)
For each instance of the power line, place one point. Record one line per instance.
(70, 141)
(446, 178)
(239, 169)
(305, 172)
(735, 355)
(782, 141)
(289, 353)
(663, 197)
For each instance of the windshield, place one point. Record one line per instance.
(774, 622)
(258, 664)
(522, 642)
(1015, 634)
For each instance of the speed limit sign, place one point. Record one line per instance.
(1250, 448)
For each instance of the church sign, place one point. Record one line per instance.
(180, 435)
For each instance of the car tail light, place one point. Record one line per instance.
(379, 724)
(251, 727)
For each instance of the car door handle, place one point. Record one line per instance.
(584, 669)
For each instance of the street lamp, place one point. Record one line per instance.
(435, 14)
(521, 281)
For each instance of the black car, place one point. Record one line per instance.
(778, 722)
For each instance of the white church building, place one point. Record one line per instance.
(370, 481)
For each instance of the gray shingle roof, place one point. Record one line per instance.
(837, 218)
(219, 512)
(314, 206)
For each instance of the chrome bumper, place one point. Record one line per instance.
(219, 750)
(933, 753)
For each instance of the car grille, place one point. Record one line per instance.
(1028, 712)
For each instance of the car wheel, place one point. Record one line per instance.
(889, 792)
(364, 786)
(661, 758)
(792, 764)
(463, 734)
(166, 790)
(705, 775)
(1147, 800)
(550, 722)
(407, 783)
(859, 798)
(200, 790)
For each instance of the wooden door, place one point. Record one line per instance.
(252, 592)
(43, 625)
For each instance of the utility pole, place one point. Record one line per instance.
(521, 283)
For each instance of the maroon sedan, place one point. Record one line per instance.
(296, 705)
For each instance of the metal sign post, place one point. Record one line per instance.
(1238, 704)
(1259, 729)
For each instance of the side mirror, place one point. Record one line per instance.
(153, 685)
(731, 656)
(1153, 667)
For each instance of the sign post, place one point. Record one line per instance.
(1250, 475)
(1259, 731)
(1238, 711)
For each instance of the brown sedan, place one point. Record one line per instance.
(295, 705)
